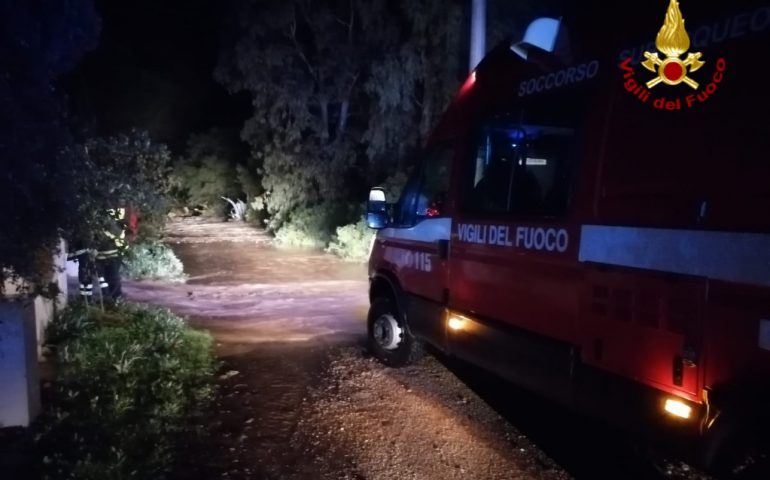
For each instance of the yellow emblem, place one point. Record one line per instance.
(672, 41)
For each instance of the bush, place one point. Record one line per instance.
(352, 242)
(255, 211)
(310, 226)
(313, 226)
(132, 382)
(152, 261)
(208, 172)
(71, 323)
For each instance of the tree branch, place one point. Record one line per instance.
(345, 106)
(298, 47)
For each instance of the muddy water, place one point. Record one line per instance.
(275, 315)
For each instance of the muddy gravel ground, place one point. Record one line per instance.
(417, 422)
(300, 398)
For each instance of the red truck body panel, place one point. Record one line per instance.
(657, 271)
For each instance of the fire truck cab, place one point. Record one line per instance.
(594, 234)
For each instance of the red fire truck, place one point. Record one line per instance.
(591, 220)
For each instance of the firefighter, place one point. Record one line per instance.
(105, 260)
(86, 267)
(109, 255)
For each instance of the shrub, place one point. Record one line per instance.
(352, 242)
(313, 226)
(152, 260)
(255, 211)
(310, 226)
(208, 171)
(131, 383)
(71, 323)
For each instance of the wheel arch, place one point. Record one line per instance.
(385, 284)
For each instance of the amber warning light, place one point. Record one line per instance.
(677, 408)
(456, 322)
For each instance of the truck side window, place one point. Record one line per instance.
(496, 154)
(435, 184)
(541, 183)
(520, 169)
(425, 192)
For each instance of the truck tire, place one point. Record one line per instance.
(388, 335)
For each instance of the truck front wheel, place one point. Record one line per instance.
(388, 334)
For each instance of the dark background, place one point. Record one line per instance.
(153, 69)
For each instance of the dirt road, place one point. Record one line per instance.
(300, 399)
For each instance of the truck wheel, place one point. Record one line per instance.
(389, 337)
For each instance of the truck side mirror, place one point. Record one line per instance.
(377, 209)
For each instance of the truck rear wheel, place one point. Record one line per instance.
(388, 334)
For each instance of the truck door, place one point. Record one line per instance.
(513, 263)
(416, 245)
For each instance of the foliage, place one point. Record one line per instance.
(248, 178)
(126, 170)
(255, 211)
(309, 227)
(352, 242)
(73, 322)
(42, 177)
(152, 260)
(394, 184)
(342, 92)
(209, 171)
(132, 381)
(413, 83)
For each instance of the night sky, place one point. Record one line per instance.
(153, 69)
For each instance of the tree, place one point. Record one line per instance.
(413, 81)
(41, 179)
(125, 170)
(341, 89)
(208, 171)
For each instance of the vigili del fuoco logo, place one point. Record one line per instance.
(670, 69)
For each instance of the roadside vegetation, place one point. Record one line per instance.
(132, 383)
(340, 104)
(346, 94)
(152, 260)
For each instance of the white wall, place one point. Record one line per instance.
(20, 392)
(23, 324)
